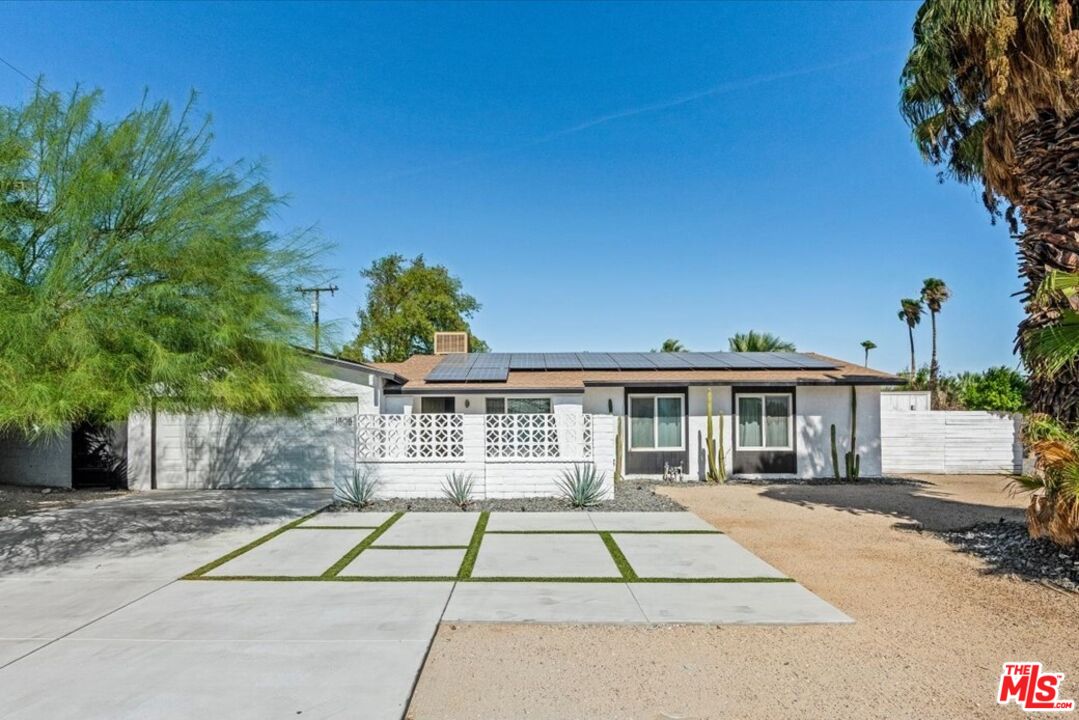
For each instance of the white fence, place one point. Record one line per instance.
(951, 442)
(507, 455)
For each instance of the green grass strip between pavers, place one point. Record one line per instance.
(335, 527)
(598, 532)
(628, 573)
(195, 574)
(363, 545)
(451, 578)
(419, 547)
(469, 560)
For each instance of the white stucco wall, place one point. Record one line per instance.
(214, 450)
(698, 428)
(45, 462)
(820, 407)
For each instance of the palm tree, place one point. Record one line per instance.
(671, 345)
(754, 341)
(868, 345)
(910, 312)
(991, 92)
(934, 294)
(1054, 346)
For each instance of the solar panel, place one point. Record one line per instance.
(807, 362)
(669, 361)
(479, 374)
(704, 360)
(596, 361)
(562, 361)
(528, 361)
(631, 361)
(452, 368)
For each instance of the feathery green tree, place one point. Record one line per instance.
(408, 301)
(134, 267)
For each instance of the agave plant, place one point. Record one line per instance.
(458, 489)
(582, 485)
(1054, 488)
(359, 490)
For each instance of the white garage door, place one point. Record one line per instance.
(226, 451)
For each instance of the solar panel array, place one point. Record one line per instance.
(495, 367)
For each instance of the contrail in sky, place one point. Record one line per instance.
(719, 89)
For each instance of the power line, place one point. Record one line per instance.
(20, 72)
(331, 289)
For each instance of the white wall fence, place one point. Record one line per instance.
(507, 455)
(951, 442)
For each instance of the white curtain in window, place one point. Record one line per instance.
(669, 417)
(495, 406)
(776, 421)
(642, 422)
(749, 422)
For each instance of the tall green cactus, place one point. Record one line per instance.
(710, 443)
(618, 452)
(853, 460)
(835, 455)
(721, 453)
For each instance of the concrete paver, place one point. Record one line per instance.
(347, 519)
(691, 556)
(648, 521)
(533, 521)
(544, 603)
(782, 603)
(294, 552)
(434, 528)
(544, 556)
(426, 562)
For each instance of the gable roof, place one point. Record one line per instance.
(826, 371)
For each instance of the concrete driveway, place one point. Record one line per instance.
(331, 616)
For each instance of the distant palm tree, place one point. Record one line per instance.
(754, 341)
(868, 345)
(671, 345)
(934, 294)
(910, 312)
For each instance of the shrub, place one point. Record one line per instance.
(458, 489)
(582, 486)
(359, 490)
(1054, 488)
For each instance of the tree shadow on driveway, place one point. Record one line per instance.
(142, 522)
(915, 506)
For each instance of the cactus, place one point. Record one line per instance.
(853, 460)
(710, 444)
(618, 452)
(835, 455)
(721, 453)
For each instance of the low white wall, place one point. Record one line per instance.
(951, 442)
(45, 462)
(477, 404)
(820, 407)
(493, 478)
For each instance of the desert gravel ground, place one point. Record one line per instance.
(932, 627)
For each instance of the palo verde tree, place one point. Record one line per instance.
(407, 302)
(134, 268)
(991, 91)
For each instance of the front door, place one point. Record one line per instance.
(657, 430)
(437, 405)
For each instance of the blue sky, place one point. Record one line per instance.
(600, 176)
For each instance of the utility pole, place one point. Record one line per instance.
(314, 303)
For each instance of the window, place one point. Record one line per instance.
(764, 422)
(655, 422)
(515, 406)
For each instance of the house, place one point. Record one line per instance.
(517, 421)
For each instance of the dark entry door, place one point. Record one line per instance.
(99, 455)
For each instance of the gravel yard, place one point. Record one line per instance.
(933, 622)
(629, 496)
